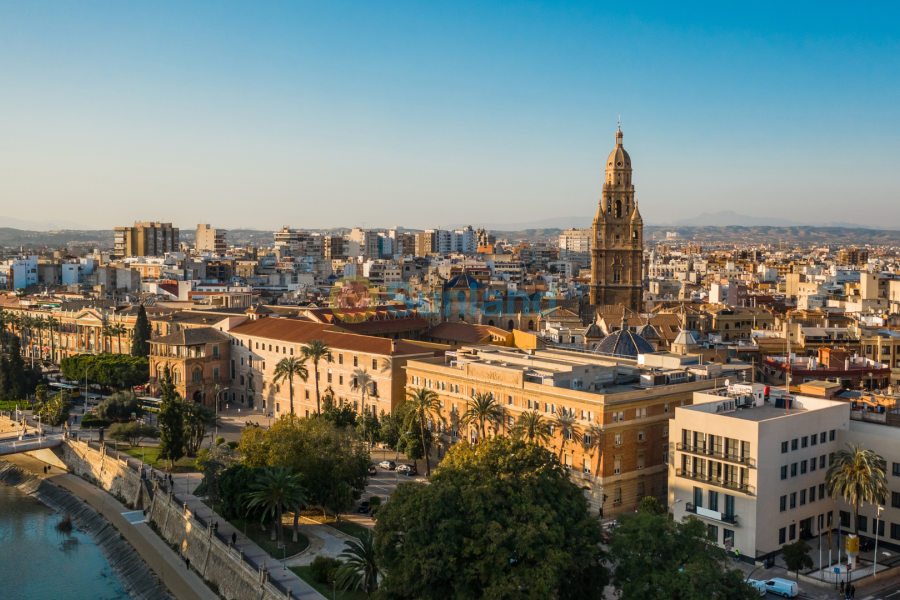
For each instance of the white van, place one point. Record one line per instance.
(759, 586)
(783, 587)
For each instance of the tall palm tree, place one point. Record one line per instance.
(117, 330)
(567, 430)
(107, 332)
(315, 351)
(276, 489)
(483, 409)
(52, 323)
(288, 368)
(422, 404)
(5, 322)
(360, 569)
(857, 476)
(532, 427)
(27, 322)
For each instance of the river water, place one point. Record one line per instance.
(37, 562)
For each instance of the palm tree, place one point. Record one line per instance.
(117, 330)
(107, 332)
(361, 381)
(288, 368)
(360, 568)
(532, 427)
(28, 322)
(566, 426)
(276, 489)
(423, 404)
(483, 409)
(857, 476)
(52, 323)
(6, 319)
(315, 351)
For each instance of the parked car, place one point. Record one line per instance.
(760, 586)
(865, 544)
(388, 464)
(372, 470)
(407, 470)
(364, 507)
(783, 587)
(410, 471)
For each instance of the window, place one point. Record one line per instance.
(641, 435)
(822, 462)
(215, 373)
(666, 408)
(895, 499)
(812, 494)
(831, 435)
(216, 351)
(813, 439)
(640, 461)
(374, 364)
(713, 500)
(665, 430)
(793, 444)
(617, 495)
(895, 469)
(781, 535)
(509, 400)
(802, 497)
(793, 501)
(340, 359)
(803, 442)
(586, 466)
(713, 532)
(793, 531)
(617, 465)
(881, 528)
(784, 447)
(794, 470)
(812, 464)
(355, 361)
(845, 518)
(822, 438)
(803, 467)
(618, 439)
(821, 490)
(784, 472)
(863, 523)
(895, 531)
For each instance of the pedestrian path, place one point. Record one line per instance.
(323, 541)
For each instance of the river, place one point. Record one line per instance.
(38, 562)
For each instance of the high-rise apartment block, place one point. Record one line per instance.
(853, 256)
(367, 240)
(210, 240)
(145, 239)
(575, 246)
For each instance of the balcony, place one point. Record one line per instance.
(711, 514)
(702, 451)
(743, 488)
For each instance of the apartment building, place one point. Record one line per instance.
(145, 239)
(752, 470)
(260, 343)
(210, 240)
(368, 242)
(575, 246)
(609, 416)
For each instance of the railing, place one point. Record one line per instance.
(743, 488)
(711, 514)
(743, 460)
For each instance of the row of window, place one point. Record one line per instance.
(790, 501)
(807, 440)
(290, 351)
(806, 465)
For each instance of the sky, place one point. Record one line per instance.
(316, 114)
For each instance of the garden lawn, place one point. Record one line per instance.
(263, 539)
(150, 455)
(11, 405)
(305, 573)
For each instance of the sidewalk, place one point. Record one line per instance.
(865, 588)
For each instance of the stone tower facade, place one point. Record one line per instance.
(617, 248)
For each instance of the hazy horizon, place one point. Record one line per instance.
(320, 115)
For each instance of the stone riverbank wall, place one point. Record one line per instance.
(217, 562)
(136, 577)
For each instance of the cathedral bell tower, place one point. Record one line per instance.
(618, 237)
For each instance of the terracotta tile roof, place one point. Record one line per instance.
(464, 332)
(190, 337)
(298, 331)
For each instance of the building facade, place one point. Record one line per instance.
(617, 237)
(145, 239)
(210, 240)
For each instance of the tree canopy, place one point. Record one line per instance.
(119, 407)
(140, 341)
(474, 534)
(658, 558)
(113, 370)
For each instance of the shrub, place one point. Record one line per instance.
(233, 445)
(93, 421)
(323, 568)
(375, 501)
(220, 440)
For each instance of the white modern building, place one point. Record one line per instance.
(753, 470)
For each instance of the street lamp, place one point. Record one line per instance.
(875, 561)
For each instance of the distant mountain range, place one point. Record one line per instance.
(552, 223)
(727, 218)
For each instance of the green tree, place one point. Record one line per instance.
(655, 557)
(109, 370)
(276, 489)
(171, 421)
(422, 405)
(16, 384)
(340, 416)
(140, 342)
(42, 393)
(360, 569)
(532, 427)
(857, 476)
(390, 429)
(412, 445)
(52, 324)
(55, 410)
(796, 556)
(288, 368)
(368, 428)
(119, 407)
(483, 409)
(315, 351)
(233, 486)
(213, 462)
(473, 533)
(197, 418)
(132, 432)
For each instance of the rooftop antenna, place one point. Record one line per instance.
(620, 122)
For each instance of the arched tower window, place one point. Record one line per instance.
(618, 209)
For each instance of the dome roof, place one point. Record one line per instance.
(618, 158)
(685, 338)
(462, 281)
(624, 343)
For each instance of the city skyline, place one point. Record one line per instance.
(425, 117)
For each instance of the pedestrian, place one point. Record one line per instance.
(187, 563)
(852, 591)
(45, 470)
(233, 538)
(842, 586)
(216, 527)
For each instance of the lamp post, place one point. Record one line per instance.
(86, 369)
(875, 561)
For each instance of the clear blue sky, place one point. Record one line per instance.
(330, 113)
